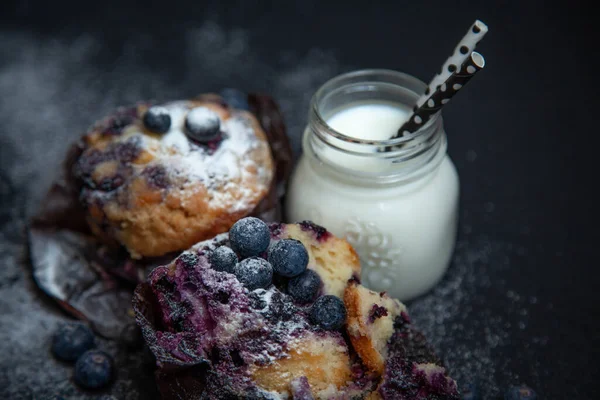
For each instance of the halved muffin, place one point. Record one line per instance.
(225, 321)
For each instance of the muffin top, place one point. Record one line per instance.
(158, 178)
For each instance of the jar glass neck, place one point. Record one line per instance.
(382, 161)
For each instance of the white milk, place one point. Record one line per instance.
(404, 232)
(371, 121)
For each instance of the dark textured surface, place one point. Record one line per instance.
(518, 302)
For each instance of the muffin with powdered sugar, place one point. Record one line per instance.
(277, 312)
(158, 178)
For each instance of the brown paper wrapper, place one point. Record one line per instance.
(95, 283)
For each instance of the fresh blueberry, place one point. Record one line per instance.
(249, 237)
(157, 119)
(288, 257)
(305, 287)
(93, 369)
(521, 392)
(235, 98)
(72, 340)
(202, 124)
(328, 312)
(223, 259)
(254, 273)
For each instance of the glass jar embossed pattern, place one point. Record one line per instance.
(376, 250)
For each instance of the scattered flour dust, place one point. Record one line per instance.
(53, 89)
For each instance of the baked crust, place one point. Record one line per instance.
(215, 339)
(155, 194)
(370, 324)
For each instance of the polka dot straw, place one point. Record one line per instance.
(458, 69)
(435, 100)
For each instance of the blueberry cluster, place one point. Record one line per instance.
(249, 238)
(201, 123)
(256, 265)
(72, 340)
(76, 342)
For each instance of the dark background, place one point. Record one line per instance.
(519, 302)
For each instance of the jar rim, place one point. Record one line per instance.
(406, 81)
(390, 160)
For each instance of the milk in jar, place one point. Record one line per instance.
(394, 200)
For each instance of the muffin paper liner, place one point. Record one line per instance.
(95, 283)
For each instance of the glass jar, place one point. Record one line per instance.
(395, 200)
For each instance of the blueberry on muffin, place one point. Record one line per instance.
(254, 331)
(158, 178)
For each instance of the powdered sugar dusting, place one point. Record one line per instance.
(266, 296)
(202, 118)
(220, 313)
(285, 328)
(176, 137)
(57, 88)
(271, 313)
(470, 337)
(222, 171)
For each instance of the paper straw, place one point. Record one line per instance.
(461, 53)
(455, 63)
(444, 92)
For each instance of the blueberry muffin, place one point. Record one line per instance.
(276, 312)
(159, 178)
